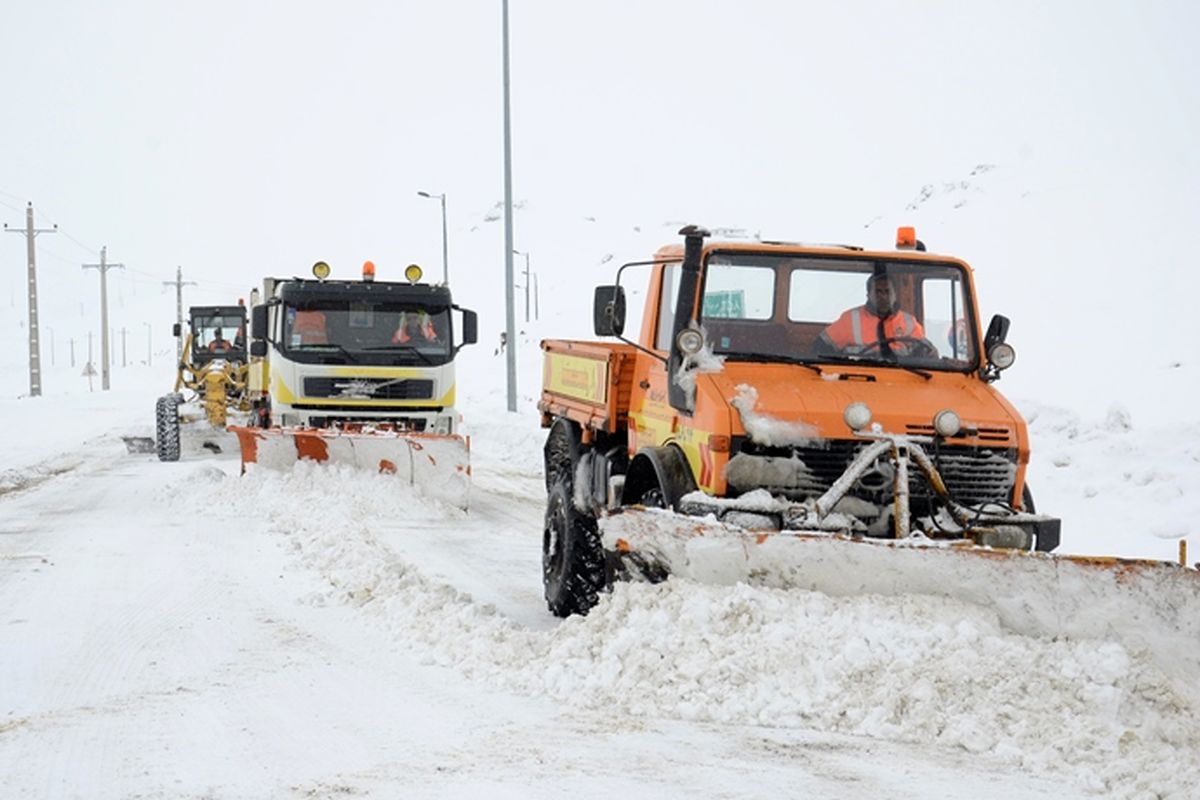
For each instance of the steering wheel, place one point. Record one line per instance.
(917, 346)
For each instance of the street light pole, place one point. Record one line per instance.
(149, 344)
(445, 245)
(509, 324)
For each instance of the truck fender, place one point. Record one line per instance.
(663, 468)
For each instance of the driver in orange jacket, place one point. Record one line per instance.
(859, 329)
(414, 325)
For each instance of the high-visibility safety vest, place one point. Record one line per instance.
(858, 328)
(310, 327)
(424, 327)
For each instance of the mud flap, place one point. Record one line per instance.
(438, 465)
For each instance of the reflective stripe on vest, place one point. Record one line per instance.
(899, 324)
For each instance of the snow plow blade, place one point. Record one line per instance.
(439, 465)
(1151, 605)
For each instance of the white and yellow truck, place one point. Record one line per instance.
(359, 371)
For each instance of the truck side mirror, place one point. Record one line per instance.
(470, 327)
(258, 324)
(608, 311)
(175, 330)
(258, 348)
(997, 332)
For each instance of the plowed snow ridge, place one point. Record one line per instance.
(909, 668)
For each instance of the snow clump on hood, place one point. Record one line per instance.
(768, 430)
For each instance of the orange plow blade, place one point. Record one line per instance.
(439, 465)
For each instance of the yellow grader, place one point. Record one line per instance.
(210, 380)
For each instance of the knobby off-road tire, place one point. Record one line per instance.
(573, 570)
(166, 439)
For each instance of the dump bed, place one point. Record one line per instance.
(588, 382)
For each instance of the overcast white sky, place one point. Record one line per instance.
(245, 139)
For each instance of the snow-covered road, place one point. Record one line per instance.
(156, 644)
(183, 631)
(178, 630)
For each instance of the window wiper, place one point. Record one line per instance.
(403, 347)
(846, 358)
(335, 345)
(926, 374)
(763, 358)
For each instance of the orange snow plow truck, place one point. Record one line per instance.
(809, 415)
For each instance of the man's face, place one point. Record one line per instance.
(881, 296)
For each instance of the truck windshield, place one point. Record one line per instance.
(387, 333)
(219, 334)
(836, 310)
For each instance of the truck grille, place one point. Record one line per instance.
(973, 475)
(371, 388)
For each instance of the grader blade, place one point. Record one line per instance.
(1152, 605)
(438, 465)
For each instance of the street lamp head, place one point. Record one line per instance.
(424, 194)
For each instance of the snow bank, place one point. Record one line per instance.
(1124, 483)
(913, 668)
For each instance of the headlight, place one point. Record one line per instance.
(690, 341)
(857, 416)
(1002, 355)
(946, 423)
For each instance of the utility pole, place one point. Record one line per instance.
(72, 352)
(123, 362)
(104, 267)
(526, 273)
(35, 355)
(179, 283)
